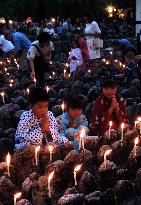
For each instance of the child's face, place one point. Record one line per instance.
(74, 44)
(75, 113)
(40, 109)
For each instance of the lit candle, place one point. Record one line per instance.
(122, 127)
(8, 164)
(11, 81)
(89, 71)
(50, 147)
(8, 61)
(49, 180)
(53, 74)
(135, 146)
(47, 89)
(11, 85)
(18, 66)
(2, 95)
(110, 126)
(1, 62)
(103, 60)
(111, 52)
(28, 91)
(10, 22)
(139, 121)
(65, 72)
(116, 61)
(81, 140)
(7, 73)
(50, 62)
(35, 81)
(37, 149)
(67, 65)
(17, 196)
(105, 159)
(107, 63)
(63, 107)
(5, 69)
(77, 168)
(120, 64)
(136, 122)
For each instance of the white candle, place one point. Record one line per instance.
(63, 107)
(135, 146)
(110, 126)
(67, 65)
(136, 122)
(11, 85)
(122, 127)
(28, 91)
(81, 140)
(50, 62)
(8, 164)
(50, 147)
(139, 121)
(49, 180)
(65, 72)
(35, 81)
(16, 196)
(77, 168)
(47, 89)
(53, 74)
(105, 160)
(2, 95)
(37, 149)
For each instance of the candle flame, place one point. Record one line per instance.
(11, 85)
(122, 125)
(35, 80)
(139, 119)
(2, 93)
(67, 65)
(110, 123)
(17, 195)
(108, 152)
(63, 106)
(50, 147)
(116, 61)
(50, 176)
(28, 90)
(136, 140)
(11, 81)
(8, 159)
(50, 62)
(47, 88)
(37, 149)
(103, 60)
(77, 168)
(82, 133)
(107, 63)
(53, 73)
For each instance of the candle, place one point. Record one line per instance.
(28, 91)
(11, 81)
(11, 85)
(2, 95)
(136, 122)
(16, 196)
(67, 65)
(107, 63)
(135, 146)
(139, 121)
(122, 127)
(7, 73)
(18, 66)
(10, 22)
(77, 168)
(49, 180)
(103, 60)
(50, 147)
(65, 72)
(81, 140)
(50, 62)
(110, 125)
(53, 74)
(63, 107)
(35, 81)
(89, 71)
(8, 61)
(1, 62)
(111, 52)
(5, 69)
(116, 61)
(37, 149)
(47, 89)
(105, 160)
(8, 164)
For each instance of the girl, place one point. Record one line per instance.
(75, 58)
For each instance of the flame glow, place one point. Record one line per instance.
(77, 168)
(108, 152)
(50, 176)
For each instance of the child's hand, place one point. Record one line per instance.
(44, 123)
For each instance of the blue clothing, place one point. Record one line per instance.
(20, 41)
(125, 43)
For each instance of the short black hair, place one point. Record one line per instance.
(75, 103)
(130, 55)
(44, 37)
(38, 94)
(109, 83)
(77, 31)
(116, 43)
(76, 41)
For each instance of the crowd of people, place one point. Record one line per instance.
(38, 125)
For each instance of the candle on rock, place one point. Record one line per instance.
(135, 146)
(122, 128)
(81, 140)
(76, 169)
(47, 89)
(8, 164)
(110, 126)
(49, 180)
(37, 149)
(63, 107)
(50, 147)
(2, 95)
(105, 159)
(16, 196)
(34, 80)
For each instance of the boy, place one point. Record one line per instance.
(37, 124)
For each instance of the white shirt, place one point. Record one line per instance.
(5, 44)
(74, 64)
(29, 131)
(92, 28)
(32, 52)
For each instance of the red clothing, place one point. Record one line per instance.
(101, 118)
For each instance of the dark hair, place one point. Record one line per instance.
(37, 95)
(77, 31)
(76, 41)
(109, 83)
(44, 37)
(116, 43)
(75, 103)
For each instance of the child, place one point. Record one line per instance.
(37, 124)
(75, 58)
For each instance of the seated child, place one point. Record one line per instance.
(37, 124)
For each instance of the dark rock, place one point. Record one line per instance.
(23, 202)
(94, 198)
(71, 199)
